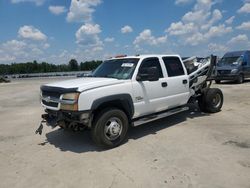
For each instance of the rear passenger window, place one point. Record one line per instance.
(174, 66)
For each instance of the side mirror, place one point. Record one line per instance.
(148, 74)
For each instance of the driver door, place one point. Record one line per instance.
(149, 95)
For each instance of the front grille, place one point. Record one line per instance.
(51, 94)
(52, 104)
(224, 72)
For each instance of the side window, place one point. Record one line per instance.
(174, 66)
(151, 62)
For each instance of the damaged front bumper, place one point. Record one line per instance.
(66, 120)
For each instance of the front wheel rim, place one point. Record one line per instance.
(113, 128)
(241, 79)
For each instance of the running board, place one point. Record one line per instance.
(159, 116)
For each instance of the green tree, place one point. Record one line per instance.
(73, 65)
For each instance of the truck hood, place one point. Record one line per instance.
(82, 84)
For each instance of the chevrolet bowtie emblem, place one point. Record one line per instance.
(47, 99)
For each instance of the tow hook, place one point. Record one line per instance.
(40, 128)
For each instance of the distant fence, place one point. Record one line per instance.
(49, 74)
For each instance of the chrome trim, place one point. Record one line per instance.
(56, 100)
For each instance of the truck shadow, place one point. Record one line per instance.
(233, 82)
(80, 142)
(174, 120)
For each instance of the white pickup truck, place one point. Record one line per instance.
(129, 91)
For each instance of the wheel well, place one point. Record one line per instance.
(113, 104)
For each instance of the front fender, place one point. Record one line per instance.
(124, 99)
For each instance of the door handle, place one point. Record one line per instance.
(164, 84)
(184, 81)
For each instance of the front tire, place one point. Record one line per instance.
(240, 79)
(110, 128)
(211, 101)
(217, 81)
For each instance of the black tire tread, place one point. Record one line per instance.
(96, 130)
(205, 100)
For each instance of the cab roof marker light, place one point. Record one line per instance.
(119, 56)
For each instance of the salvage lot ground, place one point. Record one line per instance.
(190, 149)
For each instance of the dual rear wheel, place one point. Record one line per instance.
(211, 100)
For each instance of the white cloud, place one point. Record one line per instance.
(242, 38)
(217, 48)
(20, 51)
(23, 50)
(89, 29)
(46, 45)
(244, 26)
(200, 13)
(146, 37)
(57, 10)
(14, 45)
(30, 32)
(178, 2)
(179, 28)
(197, 17)
(216, 16)
(87, 36)
(126, 29)
(245, 8)
(109, 39)
(230, 20)
(199, 25)
(194, 39)
(217, 31)
(5, 58)
(37, 2)
(82, 10)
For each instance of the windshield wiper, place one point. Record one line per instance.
(106, 76)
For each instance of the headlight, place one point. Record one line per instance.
(234, 71)
(70, 96)
(70, 101)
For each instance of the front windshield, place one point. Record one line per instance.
(231, 60)
(117, 68)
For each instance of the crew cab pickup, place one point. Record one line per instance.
(129, 91)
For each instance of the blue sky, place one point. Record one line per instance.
(58, 30)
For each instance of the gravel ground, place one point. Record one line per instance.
(190, 149)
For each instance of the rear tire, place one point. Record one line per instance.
(110, 128)
(211, 101)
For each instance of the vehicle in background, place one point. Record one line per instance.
(234, 66)
(4, 79)
(84, 74)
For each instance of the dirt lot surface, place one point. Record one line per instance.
(190, 149)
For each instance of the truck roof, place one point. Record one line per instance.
(147, 56)
(235, 53)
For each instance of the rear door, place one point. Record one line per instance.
(171, 90)
(177, 82)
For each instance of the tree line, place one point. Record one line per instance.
(43, 67)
